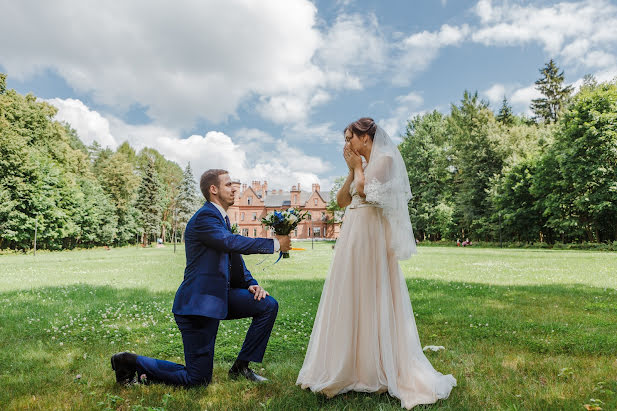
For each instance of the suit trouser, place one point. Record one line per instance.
(199, 336)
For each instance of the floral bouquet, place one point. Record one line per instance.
(283, 222)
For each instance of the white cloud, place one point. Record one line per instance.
(495, 93)
(582, 33)
(408, 106)
(348, 56)
(90, 125)
(190, 60)
(355, 44)
(323, 133)
(182, 61)
(251, 154)
(417, 51)
(518, 97)
(253, 135)
(523, 96)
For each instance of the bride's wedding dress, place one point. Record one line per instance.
(365, 336)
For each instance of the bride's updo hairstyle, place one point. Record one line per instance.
(365, 125)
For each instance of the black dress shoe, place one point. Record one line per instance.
(247, 373)
(125, 366)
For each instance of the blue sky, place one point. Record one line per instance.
(265, 88)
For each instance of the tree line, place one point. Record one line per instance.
(474, 174)
(551, 178)
(74, 195)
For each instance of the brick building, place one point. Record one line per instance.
(255, 201)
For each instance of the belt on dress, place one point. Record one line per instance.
(352, 206)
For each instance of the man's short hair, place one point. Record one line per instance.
(210, 178)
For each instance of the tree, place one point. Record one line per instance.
(516, 204)
(170, 176)
(2, 83)
(96, 218)
(505, 115)
(586, 147)
(548, 108)
(477, 159)
(426, 149)
(333, 204)
(149, 201)
(187, 201)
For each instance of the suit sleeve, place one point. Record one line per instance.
(245, 274)
(208, 229)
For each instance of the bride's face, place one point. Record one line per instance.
(355, 142)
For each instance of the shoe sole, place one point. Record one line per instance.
(235, 376)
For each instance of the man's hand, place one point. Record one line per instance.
(285, 242)
(259, 292)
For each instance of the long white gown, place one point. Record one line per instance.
(365, 336)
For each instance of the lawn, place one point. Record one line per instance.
(522, 329)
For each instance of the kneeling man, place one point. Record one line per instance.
(217, 286)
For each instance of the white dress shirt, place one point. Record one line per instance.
(277, 245)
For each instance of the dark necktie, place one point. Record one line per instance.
(231, 278)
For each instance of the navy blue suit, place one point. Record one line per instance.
(215, 287)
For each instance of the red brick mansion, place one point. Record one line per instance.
(255, 201)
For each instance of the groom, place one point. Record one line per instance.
(217, 286)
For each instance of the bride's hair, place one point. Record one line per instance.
(360, 127)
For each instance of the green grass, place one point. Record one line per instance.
(523, 329)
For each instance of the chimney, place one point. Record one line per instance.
(317, 188)
(293, 188)
(265, 187)
(243, 187)
(298, 186)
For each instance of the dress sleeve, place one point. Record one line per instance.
(378, 185)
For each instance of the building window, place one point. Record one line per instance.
(245, 232)
(254, 232)
(309, 216)
(315, 201)
(241, 216)
(295, 232)
(249, 200)
(254, 216)
(316, 232)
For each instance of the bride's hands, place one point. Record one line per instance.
(352, 158)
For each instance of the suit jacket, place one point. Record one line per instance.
(214, 264)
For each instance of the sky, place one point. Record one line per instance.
(265, 88)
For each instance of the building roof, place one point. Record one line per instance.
(280, 200)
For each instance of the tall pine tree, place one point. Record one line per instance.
(149, 201)
(555, 95)
(505, 116)
(188, 199)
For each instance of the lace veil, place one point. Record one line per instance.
(387, 186)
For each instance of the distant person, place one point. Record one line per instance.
(466, 243)
(217, 286)
(458, 242)
(364, 337)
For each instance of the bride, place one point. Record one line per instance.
(365, 336)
